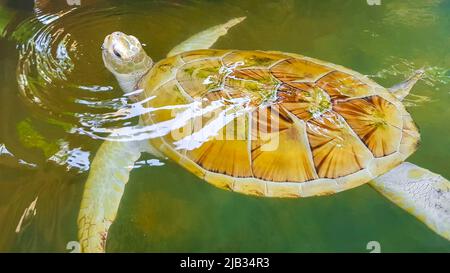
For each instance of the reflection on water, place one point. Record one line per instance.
(58, 102)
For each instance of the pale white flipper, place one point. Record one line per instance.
(206, 38)
(402, 89)
(424, 194)
(103, 191)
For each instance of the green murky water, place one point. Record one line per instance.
(54, 90)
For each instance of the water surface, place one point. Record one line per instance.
(57, 102)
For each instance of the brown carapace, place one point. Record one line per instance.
(298, 127)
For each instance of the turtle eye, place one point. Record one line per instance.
(117, 53)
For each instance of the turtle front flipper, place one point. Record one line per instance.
(206, 38)
(103, 190)
(424, 194)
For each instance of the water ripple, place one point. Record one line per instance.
(51, 60)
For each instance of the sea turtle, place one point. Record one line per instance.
(283, 125)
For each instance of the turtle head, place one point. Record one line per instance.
(124, 56)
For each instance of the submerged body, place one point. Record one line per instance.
(261, 123)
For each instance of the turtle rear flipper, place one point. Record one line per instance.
(424, 194)
(402, 89)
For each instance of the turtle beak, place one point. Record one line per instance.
(106, 43)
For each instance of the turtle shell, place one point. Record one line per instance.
(273, 123)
